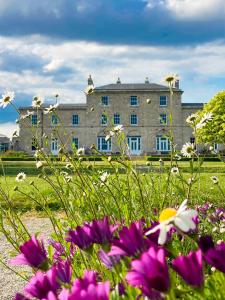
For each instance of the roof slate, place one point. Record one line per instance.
(134, 87)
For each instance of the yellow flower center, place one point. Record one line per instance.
(166, 214)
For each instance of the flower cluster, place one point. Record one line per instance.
(142, 250)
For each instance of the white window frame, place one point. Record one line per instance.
(55, 146)
(159, 147)
(129, 142)
(105, 98)
(73, 118)
(133, 124)
(103, 122)
(56, 118)
(163, 105)
(75, 144)
(116, 116)
(100, 141)
(132, 98)
(161, 120)
(34, 119)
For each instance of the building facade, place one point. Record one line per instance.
(143, 110)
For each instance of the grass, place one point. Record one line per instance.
(12, 168)
(153, 185)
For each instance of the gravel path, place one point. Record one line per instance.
(10, 283)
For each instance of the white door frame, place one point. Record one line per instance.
(134, 144)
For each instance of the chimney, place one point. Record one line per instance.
(90, 81)
(177, 84)
(146, 80)
(118, 81)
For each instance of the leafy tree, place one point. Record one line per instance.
(213, 131)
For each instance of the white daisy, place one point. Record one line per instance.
(191, 119)
(170, 217)
(80, 151)
(188, 150)
(215, 179)
(37, 102)
(21, 177)
(39, 164)
(51, 108)
(174, 170)
(148, 101)
(7, 97)
(104, 177)
(204, 120)
(170, 78)
(89, 89)
(177, 157)
(118, 129)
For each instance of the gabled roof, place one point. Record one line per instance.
(134, 87)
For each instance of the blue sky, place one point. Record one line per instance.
(52, 46)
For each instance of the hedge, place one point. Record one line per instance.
(167, 158)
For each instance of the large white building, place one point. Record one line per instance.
(142, 108)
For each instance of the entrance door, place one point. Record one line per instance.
(134, 143)
(55, 146)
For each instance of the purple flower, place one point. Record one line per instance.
(59, 249)
(42, 283)
(88, 288)
(80, 237)
(64, 271)
(150, 273)
(214, 255)
(190, 267)
(101, 231)
(98, 291)
(107, 260)
(32, 254)
(20, 297)
(131, 241)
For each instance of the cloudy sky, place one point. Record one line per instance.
(52, 46)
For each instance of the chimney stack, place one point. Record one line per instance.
(146, 80)
(90, 81)
(177, 84)
(118, 81)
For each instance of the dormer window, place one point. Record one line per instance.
(105, 100)
(133, 101)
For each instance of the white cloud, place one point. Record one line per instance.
(8, 128)
(201, 63)
(191, 9)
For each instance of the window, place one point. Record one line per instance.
(4, 147)
(162, 144)
(163, 100)
(75, 143)
(163, 119)
(104, 120)
(116, 119)
(103, 145)
(34, 119)
(75, 119)
(54, 146)
(133, 101)
(34, 144)
(215, 147)
(133, 119)
(105, 100)
(54, 120)
(134, 144)
(192, 140)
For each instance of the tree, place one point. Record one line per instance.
(213, 131)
